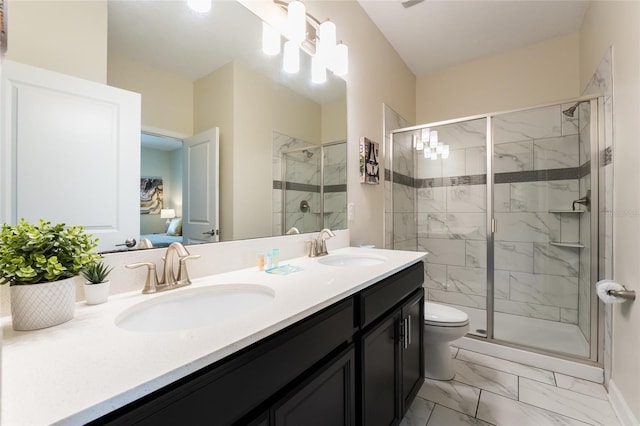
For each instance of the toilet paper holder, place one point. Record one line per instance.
(625, 294)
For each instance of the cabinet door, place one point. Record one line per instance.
(412, 348)
(327, 398)
(380, 381)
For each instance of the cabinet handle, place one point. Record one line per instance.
(409, 328)
(406, 333)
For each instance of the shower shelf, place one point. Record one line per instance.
(566, 211)
(562, 244)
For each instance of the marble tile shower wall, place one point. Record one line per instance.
(536, 161)
(283, 143)
(399, 224)
(303, 177)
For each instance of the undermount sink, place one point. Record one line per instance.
(195, 307)
(352, 260)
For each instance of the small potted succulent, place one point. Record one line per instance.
(96, 288)
(40, 262)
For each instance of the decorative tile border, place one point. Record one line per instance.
(510, 177)
(304, 187)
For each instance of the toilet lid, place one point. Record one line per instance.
(444, 316)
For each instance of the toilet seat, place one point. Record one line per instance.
(439, 315)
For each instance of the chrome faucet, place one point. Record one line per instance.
(169, 279)
(321, 243)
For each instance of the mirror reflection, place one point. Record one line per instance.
(199, 72)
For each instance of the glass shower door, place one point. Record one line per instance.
(542, 257)
(301, 182)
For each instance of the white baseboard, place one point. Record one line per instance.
(620, 406)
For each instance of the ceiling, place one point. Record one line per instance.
(436, 34)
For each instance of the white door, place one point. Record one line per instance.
(70, 153)
(200, 193)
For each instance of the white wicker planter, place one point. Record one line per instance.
(36, 306)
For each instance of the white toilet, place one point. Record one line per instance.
(442, 324)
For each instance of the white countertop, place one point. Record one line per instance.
(78, 371)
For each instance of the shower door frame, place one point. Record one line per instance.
(596, 338)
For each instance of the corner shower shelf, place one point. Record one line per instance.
(566, 211)
(563, 244)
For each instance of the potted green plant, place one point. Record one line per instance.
(96, 288)
(39, 262)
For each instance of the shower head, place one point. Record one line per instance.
(569, 112)
(308, 154)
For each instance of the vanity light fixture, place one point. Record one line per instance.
(307, 33)
(200, 6)
(270, 40)
(424, 135)
(433, 139)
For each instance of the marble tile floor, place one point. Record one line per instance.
(492, 391)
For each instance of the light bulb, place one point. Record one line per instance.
(200, 6)
(291, 59)
(433, 139)
(340, 60)
(419, 146)
(297, 21)
(434, 156)
(327, 42)
(427, 153)
(415, 141)
(440, 148)
(270, 40)
(424, 135)
(318, 70)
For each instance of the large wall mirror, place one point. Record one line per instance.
(282, 138)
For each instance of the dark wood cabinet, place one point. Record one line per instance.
(326, 398)
(357, 362)
(390, 348)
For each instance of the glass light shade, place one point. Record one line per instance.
(340, 60)
(433, 139)
(440, 148)
(427, 153)
(297, 21)
(200, 6)
(434, 156)
(419, 145)
(415, 141)
(291, 58)
(327, 42)
(445, 150)
(445, 155)
(270, 40)
(318, 70)
(424, 135)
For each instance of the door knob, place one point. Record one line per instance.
(211, 233)
(129, 242)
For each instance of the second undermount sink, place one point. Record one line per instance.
(194, 307)
(352, 260)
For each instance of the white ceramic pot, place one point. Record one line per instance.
(35, 306)
(96, 293)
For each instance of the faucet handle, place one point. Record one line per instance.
(313, 244)
(151, 283)
(183, 275)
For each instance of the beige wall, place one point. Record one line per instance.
(617, 23)
(213, 107)
(167, 99)
(543, 72)
(377, 75)
(261, 107)
(334, 121)
(71, 36)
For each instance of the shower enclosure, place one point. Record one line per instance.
(509, 222)
(310, 192)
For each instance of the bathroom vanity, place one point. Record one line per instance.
(338, 345)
